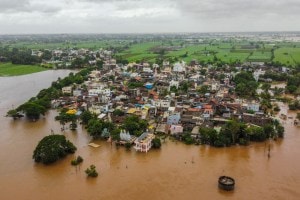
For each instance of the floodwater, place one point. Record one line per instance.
(176, 171)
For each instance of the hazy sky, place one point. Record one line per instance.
(144, 16)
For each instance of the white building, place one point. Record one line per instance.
(251, 106)
(67, 90)
(98, 91)
(162, 103)
(179, 67)
(144, 142)
(257, 74)
(76, 93)
(125, 136)
(147, 69)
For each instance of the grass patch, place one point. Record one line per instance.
(288, 56)
(260, 56)
(9, 69)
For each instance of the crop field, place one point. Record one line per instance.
(140, 52)
(242, 51)
(230, 51)
(288, 56)
(97, 44)
(8, 69)
(260, 56)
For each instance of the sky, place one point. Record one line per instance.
(147, 16)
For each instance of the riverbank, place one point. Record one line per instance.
(9, 69)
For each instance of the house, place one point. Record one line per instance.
(144, 142)
(208, 111)
(147, 69)
(163, 104)
(173, 118)
(77, 93)
(215, 86)
(257, 119)
(251, 106)
(176, 129)
(67, 90)
(257, 74)
(179, 67)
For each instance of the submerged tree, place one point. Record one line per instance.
(32, 110)
(156, 143)
(91, 171)
(51, 148)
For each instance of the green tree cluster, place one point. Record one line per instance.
(135, 125)
(65, 117)
(77, 160)
(95, 127)
(234, 132)
(51, 148)
(91, 171)
(245, 84)
(156, 143)
(293, 84)
(19, 56)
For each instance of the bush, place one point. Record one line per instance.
(127, 145)
(243, 141)
(77, 160)
(91, 171)
(156, 143)
(187, 138)
(51, 148)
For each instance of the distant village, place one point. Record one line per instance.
(173, 98)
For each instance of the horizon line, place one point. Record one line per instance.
(148, 33)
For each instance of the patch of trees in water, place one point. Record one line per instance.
(51, 148)
(234, 132)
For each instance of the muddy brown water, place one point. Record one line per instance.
(177, 171)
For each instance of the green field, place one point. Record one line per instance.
(288, 56)
(208, 50)
(228, 52)
(140, 52)
(8, 69)
(92, 44)
(260, 56)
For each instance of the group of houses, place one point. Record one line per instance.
(157, 94)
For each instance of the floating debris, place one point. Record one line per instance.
(94, 145)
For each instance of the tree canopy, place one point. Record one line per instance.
(245, 84)
(51, 148)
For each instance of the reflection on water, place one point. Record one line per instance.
(177, 171)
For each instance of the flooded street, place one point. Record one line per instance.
(177, 171)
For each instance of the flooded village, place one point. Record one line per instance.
(176, 103)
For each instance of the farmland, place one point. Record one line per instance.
(8, 69)
(287, 55)
(227, 52)
(155, 48)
